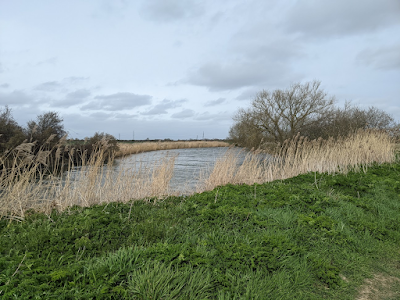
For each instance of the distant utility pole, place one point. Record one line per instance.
(119, 136)
(203, 135)
(133, 135)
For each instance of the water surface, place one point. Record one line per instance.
(189, 163)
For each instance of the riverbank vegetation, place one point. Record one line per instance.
(33, 183)
(305, 109)
(300, 156)
(314, 236)
(135, 148)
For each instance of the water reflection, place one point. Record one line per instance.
(189, 164)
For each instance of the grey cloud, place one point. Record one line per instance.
(214, 102)
(78, 94)
(72, 98)
(5, 85)
(235, 75)
(48, 86)
(162, 107)
(386, 58)
(186, 113)
(253, 60)
(221, 116)
(172, 10)
(341, 17)
(15, 98)
(117, 101)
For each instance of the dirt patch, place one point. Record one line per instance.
(379, 287)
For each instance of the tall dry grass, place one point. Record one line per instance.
(29, 181)
(135, 148)
(299, 156)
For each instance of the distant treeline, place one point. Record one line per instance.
(47, 138)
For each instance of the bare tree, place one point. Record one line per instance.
(347, 120)
(281, 114)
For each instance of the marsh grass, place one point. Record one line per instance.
(300, 156)
(39, 182)
(31, 180)
(135, 148)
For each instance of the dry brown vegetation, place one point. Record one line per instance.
(135, 148)
(381, 286)
(300, 155)
(24, 184)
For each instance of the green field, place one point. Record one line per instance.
(314, 236)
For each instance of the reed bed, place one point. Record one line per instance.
(135, 148)
(29, 181)
(301, 155)
(30, 184)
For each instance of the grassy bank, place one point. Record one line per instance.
(135, 148)
(314, 236)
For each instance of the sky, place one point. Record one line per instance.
(181, 69)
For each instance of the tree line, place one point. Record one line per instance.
(305, 109)
(47, 133)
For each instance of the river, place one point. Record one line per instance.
(189, 163)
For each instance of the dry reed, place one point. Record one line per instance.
(24, 184)
(299, 156)
(135, 148)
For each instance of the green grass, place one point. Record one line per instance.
(310, 237)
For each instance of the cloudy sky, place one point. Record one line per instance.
(180, 68)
